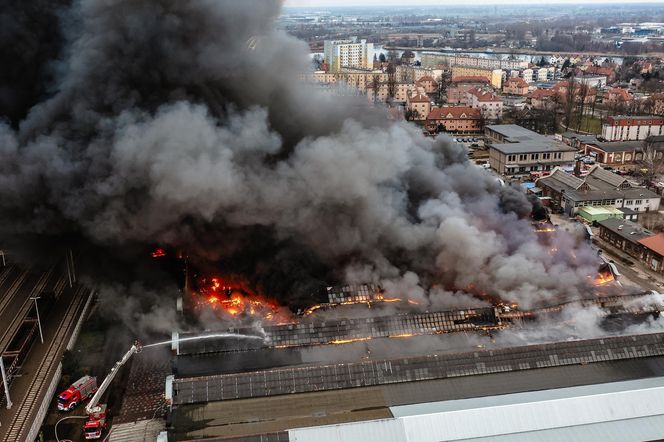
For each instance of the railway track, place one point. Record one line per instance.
(30, 403)
(13, 290)
(17, 319)
(5, 272)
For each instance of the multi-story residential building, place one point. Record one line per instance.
(541, 74)
(599, 188)
(456, 92)
(456, 119)
(527, 75)
(632, 128)
(401, 92)
(621, 155)
(419, 105)
(358, 79)
(514, 150)
(495, 76)
(411, 74)
(515, 86)
(490, 105)
(427, 83)
(602, 71)
(431, 59)
(348, 53)
(543, 99)
(617, 95)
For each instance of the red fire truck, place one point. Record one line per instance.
(96, 424)
(97, 419)
(77, 393)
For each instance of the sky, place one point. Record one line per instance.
(445, 2)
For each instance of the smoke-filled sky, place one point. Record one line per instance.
(187, 124)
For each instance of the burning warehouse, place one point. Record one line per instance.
(276, 192)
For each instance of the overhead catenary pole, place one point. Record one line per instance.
(41, 335)
(73, 267)
(5, 383)
(68, 269)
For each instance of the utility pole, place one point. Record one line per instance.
(67, 262)
(5, 383)
(41, 335)
(73, 268)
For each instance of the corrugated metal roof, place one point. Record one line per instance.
(544, 419)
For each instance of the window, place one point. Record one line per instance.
(629, 202)
(638, 202)
(546, 156)
(534, 156)
(523, 157)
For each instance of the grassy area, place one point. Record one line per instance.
(589, 124)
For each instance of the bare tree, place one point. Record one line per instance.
(652, 160)
(581, 96)
(653, 221)
(569, 102)
(391, 82)
(412, 115)
(648, 106)
(375, 85)
(441, 90)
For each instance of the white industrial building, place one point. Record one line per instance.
(632, 128)
(619, 411)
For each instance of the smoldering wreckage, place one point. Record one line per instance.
(185, 126)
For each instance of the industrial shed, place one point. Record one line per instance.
(631, 410)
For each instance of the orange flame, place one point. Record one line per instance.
(604, 278)
(158, 253)
(348, 341)
(233, 297)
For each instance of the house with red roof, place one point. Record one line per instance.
(653, 252)
(419, 106)
(617, 95)
(456, 119)
(543, 99)
(428, 84)
(488, 103)
(515, 86)
(456, 92)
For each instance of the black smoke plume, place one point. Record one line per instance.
(186, 123)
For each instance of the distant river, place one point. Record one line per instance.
(531, 58)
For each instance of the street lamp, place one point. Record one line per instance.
(41, 335)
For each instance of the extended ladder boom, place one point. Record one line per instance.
(90, 408)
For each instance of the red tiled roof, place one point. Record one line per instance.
(419, 98)
(654, 243)
(518, 81)
(539, 94)
(621, 92)
(601, 70)
(426, 78)
(456, 112)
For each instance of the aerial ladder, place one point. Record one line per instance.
(97, 419)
